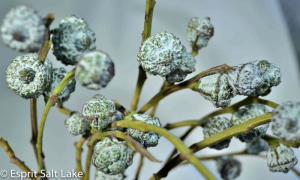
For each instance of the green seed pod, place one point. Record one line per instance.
(27, 76)
(101, 176)
(281, 158)
(164, 55)
(73, 38)
(95, 70)
(112, 156)
(215, 88)
(285, 121)
(76, 124)
(228, 167)
(215, 125)
(23, 29)
(56, 75)
(199, 32)
(99, 111)
(146, 139)
(246, 113)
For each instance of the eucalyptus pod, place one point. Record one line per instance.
(228, 167)
(76, 124)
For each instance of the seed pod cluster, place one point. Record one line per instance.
(164, 55)
(146, 139)
(285, 121)
(71, 39)
(281, 158)
(199, 32)
(215, 125)
(112, 156)
(95, 70)
(27, 77)
(246, 113)
(23, 29)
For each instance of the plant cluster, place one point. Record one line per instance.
(113, 132)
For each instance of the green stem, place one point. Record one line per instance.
(165, 85)
(47, 44)
(186, 153)
(34, 128)
(146, 33)
(228, 133)
(272, 140)
(78, 145)
(185, 123)
(49, 104)
(62, 109)
(139, 168)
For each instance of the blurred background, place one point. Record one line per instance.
(244, 31)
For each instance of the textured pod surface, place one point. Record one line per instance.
(246, 113)
(254, 78)
(199, 32)
(281, 158)
(27, 77)
(146, 139)
(71, 39)
(99, 111)
(257, 146)
(228, 167)
(56, 75)
(76, 124)
(216, 88)
(95, 70)
(112, 156)
(102, 176)
(215, 125)
(161, 54)
(23, 29)
(285, 121)
(185, 67)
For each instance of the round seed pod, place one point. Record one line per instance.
(199, 32)
(99, 111)
(162, 54)
(76, 124)
(215, 125)
(272, 73)
(23, 29)
(95, 70)
(112, 156)
(257, 146)
(101, 176)
(185, 67)
(56, 75)
(281, 158)
(285, 121)
(215, 88)
(71, 39)
(246, 113)
(27, 77)
(146, 139)
(228, 167)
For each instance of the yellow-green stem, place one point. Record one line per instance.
(49, 104)
(185, 123)
(186, 153)
(139, 168)
(63, 110)
(34, 128)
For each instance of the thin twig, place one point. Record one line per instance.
(139, 168)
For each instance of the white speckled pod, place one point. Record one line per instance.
(101, 176)
(76, 124)
(215, 125)
(281, 158)
(228, 167)
(56, 75)
(99, 111)
(23, 29)
(216, 89)
(272, 73)
(73, 38)
(164, 54)
(95, 70)
(285, 121)
(199, 32)
(112, 156)
(246, 113)
(27, 77)
(185, 67)
(257, 146)
(146, 139)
